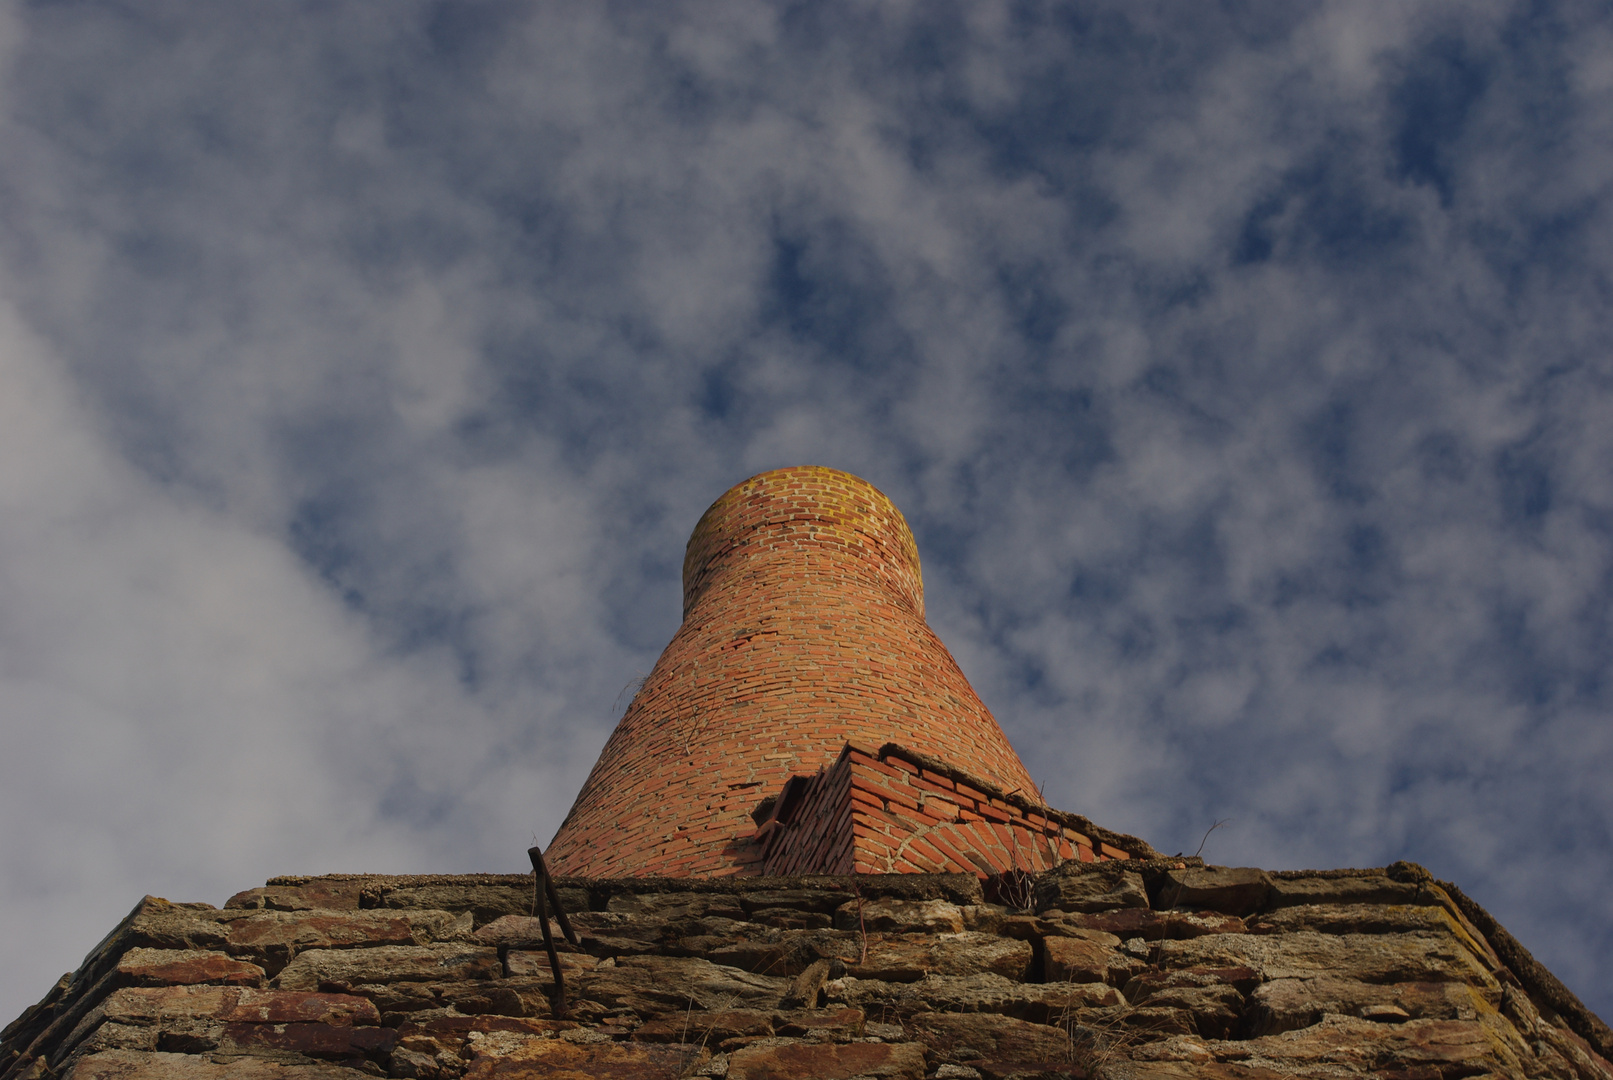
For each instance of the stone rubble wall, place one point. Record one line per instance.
(1120, 969)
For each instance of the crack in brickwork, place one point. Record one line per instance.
(803, 630)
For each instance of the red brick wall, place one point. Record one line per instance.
(900, 814)
(803, 630)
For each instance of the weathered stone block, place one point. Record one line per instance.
(413, 1065)
(484, 902)
(572, 899)
(535, 964)
(994, 919)
(317, 894)
(155, 923)
(1054, 1003)
(1379, 958)
(786, 952)
(650, 985)
(827, 1061)
(450, 1033)
(841, 1023)
(1141, 986)
(338, 1041)
(1347, 889)
(763, 952)
(503, 997)
(121, 1037)
(669, 907)
(287, 1007)
(189, 1018)
(1233, 890)
(595, 1061)
(279, 933)
(817, 901)
(1149, 925)
(1070, 959)
(706, 1028)
(134, 1065)
(1415, 1048)
(994, 1044)
(179, 967)
(1090, 887)
(791, 918)
(1215, 1009)
(500, 999)
(900, 916)
(392, 963)
(519, 931)
(984, 993)
(1061, 925)
(905, 957)
(805, 987)
(1356, 919)
(1382, 919)
(138, 1004)
(1290, 1004)
(1178, 1070)
(1188, 1048)
(1130, 1023)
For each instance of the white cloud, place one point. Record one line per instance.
(180, 698)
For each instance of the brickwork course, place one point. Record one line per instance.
(1162, 969)
(803, 630)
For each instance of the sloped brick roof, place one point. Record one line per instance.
(803, 630)
(894, 811)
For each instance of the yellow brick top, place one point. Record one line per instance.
(798, 512)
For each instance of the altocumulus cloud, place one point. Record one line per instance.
(1243, 370)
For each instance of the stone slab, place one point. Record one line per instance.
(555, 1059)
(318, 968)
(135, 1065)
(828, 1061)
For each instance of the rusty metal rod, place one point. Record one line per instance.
(545, 891)
(554, 898)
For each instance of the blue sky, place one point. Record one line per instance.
(1243, 370)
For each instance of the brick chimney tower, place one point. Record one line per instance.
(803, 631)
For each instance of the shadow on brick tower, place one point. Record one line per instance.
(805, 719)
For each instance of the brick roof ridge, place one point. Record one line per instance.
(1135, 846)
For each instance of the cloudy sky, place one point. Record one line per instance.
(1246, 373)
